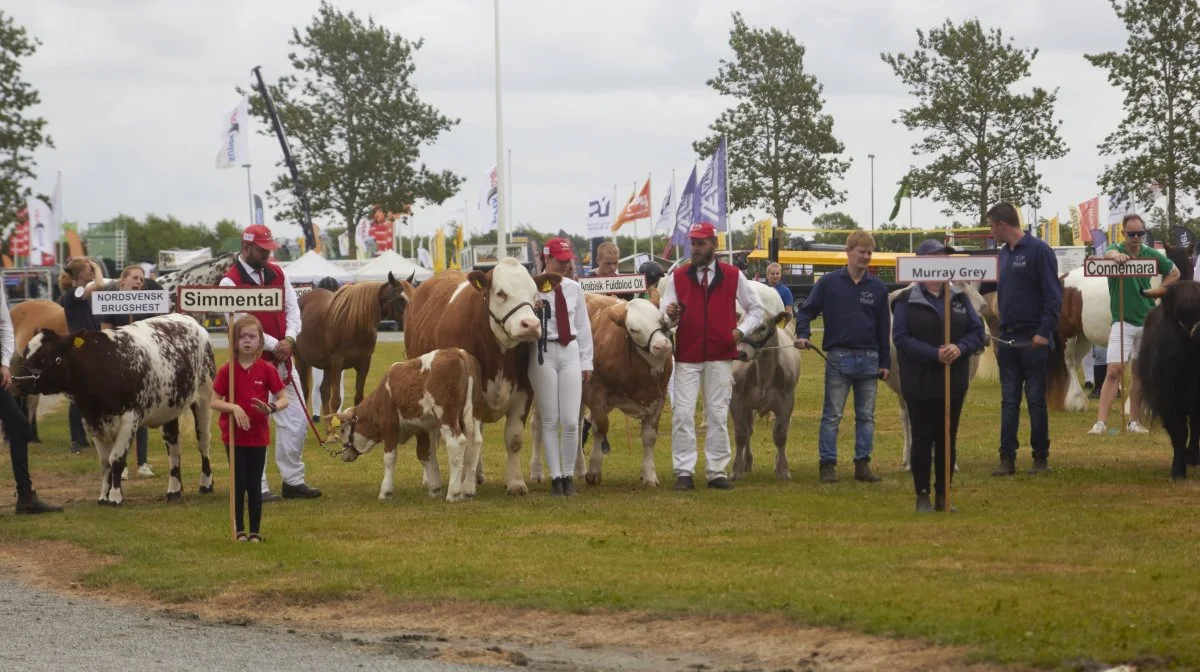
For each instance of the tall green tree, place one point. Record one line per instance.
(355, 122)
(833, 221)
(782, 151)
(20, 133)
(1159, 73)
(984, 128)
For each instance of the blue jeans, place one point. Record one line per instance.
(846, 369)
(1023, 368)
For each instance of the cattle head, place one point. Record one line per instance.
(646, 328)
(344, 425)
(765, 335)
(45, 360)
(1181, 305)
(509, 293)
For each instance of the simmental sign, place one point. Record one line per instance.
(230, 299)
(615, 284)
(141, 302)
(1099, 267)
(947, 269)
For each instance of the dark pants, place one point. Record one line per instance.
(1023, 368)
(16, 430)
(143, 445)
(928, 420)
(75, 422)
(250, 463)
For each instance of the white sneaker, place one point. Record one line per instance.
(1135, 427)
(145, 471)
(1098, 428)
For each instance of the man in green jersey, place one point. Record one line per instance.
(1139, 299)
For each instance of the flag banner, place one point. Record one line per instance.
(18, 240)
(599, 216)
(439, 250)
(1089, 218)
(42, 233)
(1099, 241)
(489, 202)
(711, 200)
(424, 258)
(684, 211)
(666, 214)
(235, 136)
(1077, 225)
(1117, 207)
(762, 234)
(905, 191)
(1181, 236)
(1052, 232)
(258, 210)
(638, 207)
(56, 207)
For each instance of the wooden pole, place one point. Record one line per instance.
(233, 363)
(1121, 317)
(948, 466)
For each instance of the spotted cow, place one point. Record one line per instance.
(144, 374)
(439, 393)
(490, 315)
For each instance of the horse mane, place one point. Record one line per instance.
(356, 305)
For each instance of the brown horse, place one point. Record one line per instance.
(338, 331)
(28, 318)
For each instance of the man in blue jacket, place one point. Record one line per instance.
(857, 349)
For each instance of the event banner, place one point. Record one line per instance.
(614, 284)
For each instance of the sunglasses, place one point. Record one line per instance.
(1135, 234)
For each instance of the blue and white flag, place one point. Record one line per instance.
(666, 214)
(711, 200)
(235, 136)
(258, 210)
(683, 213)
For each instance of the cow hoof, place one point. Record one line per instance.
(783, 475)
(206, 489)
(650, 482)
(536, 478)
(435, 493)
(517, 489)
(109, 502)
(479, 480)
(175, 496)
(592, 478)
(385, 496)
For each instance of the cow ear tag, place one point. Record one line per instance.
(478, 284)
(546, 286)
(781, 322)
(335, 421)
(78, 341)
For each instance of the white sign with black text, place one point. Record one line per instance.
(947, 269)
(1099, 267)
(1070, 258)
(614, 284)
(141, 302)
(230, 299)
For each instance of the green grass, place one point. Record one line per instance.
(1096, 560)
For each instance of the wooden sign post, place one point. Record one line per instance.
(947, 269)
(230, 300)
(1099, 267)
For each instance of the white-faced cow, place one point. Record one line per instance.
(631, 356)
(441, 393)
(143, 374)
(490, 315)
(764, 382)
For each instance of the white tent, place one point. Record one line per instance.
(377, 269)
(312, 267)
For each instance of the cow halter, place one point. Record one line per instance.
(35, 375)
(1191, 331)
(650, 339)
(501, 320)
(348, 444)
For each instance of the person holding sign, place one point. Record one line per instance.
(567, 364)
(918, 332)
(1029, 297)
(253, 269)
(259, 393)
(1125, 336)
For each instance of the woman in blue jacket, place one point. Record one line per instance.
(918, 332)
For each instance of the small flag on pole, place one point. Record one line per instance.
(905, 191)
(711, 201)
(637, 207)
(235, 136)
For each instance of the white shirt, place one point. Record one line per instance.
(8, 343)
(581, 323)
(291, 305)
(752, 308)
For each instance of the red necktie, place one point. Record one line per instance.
(562, 317)
(704, 280)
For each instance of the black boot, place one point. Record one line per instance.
(28, 502)
(568, 488)
(556, 487)
(828, 472)
(939, 503)
(923, 503)
(1040, 466)
(862, 471)
(1008, 467)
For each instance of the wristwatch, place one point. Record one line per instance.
(271, 405)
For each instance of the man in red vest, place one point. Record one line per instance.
(700, 300)
(254, 269)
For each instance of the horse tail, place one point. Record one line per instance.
(1057, 376)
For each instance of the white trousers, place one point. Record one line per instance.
(291, 427)
(718, 386)
(558, 392)
(318, 375)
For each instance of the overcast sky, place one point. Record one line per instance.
(596, 93)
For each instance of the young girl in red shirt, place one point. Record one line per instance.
(259, 393)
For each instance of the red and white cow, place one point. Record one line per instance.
(439, 393)
(490, 315)
(143, 374)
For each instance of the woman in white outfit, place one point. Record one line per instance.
(566, 365)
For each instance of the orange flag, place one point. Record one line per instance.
(638, 207)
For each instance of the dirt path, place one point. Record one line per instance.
(487, 634)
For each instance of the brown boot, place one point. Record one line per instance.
(862, 471)
(1008, 467)
(828, 472)
(28, 502)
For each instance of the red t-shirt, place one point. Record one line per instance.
(259, 381)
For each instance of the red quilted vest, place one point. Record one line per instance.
(706, 324)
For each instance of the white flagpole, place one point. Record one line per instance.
(512, 222)
(635, 195)
(501, 178)
(250, 193)
(728, 224)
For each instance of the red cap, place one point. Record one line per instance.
(260, 236)
(702, 230)
(559, 248)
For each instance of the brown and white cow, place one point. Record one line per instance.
(143, 374)
(440, 393)
(631, 356)
(490, 315)
(764, 381)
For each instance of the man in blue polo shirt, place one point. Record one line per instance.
(857, 349)
(1029, 294)
(775, 281)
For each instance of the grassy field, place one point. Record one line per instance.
(1096, 560)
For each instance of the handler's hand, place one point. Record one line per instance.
(673, 311)
(1040, 341)
(240, 417)
(6, 380)
(1120, 257)
(587, 375)
(948, 353)
(884, 374)
(261, 406)
(803, 344)
(738, 336)
(283, 349)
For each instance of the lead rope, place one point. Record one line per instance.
(544, 318)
